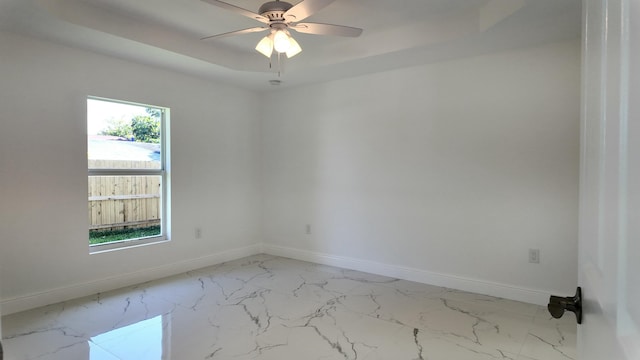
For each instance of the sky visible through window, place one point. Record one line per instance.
(100, 113)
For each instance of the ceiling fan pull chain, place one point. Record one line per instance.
(279, 65)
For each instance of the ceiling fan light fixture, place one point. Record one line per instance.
(281, 41)
(294, 49)
(279, 15)
(265, 46)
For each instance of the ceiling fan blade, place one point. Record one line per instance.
(238, 32)
(238, 10)
(304, 9)
(326, 29)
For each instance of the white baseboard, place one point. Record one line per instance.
(31, 301)
(510, 292)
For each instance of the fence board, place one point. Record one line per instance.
(116, 202)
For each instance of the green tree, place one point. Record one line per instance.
(153, 112)
(118, 127)
(146, 129)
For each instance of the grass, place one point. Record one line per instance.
(106, 236)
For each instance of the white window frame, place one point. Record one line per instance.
(162, 172)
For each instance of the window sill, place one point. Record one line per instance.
(126, 244)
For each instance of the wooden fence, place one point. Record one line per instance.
(118, 202)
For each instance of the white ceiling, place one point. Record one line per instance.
(397, 33)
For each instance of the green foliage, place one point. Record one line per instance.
(106, 236)
(153, 112)
(118, 127)
(143, 128)
(146, 129)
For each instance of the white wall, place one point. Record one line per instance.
(43, 176)
(446, 173)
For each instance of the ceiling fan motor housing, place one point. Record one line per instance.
(274, 10)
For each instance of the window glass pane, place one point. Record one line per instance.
(123, 136)
(124, 207)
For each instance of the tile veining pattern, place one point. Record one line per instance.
(265, 307)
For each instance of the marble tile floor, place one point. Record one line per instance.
(266, 307)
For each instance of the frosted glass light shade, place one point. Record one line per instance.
(281, 41)
(265, 46)
(294, 49)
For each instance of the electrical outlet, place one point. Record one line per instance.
(198, 233)
(534, 256)
(307, 229)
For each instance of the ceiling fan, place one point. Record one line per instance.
(280, 16)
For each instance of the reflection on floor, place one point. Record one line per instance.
(265, 307)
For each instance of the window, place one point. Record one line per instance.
(127, 152)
